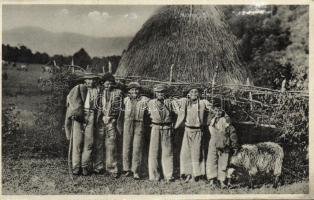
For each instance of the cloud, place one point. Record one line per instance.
(131, 16)
(105, 15)
(96, 15)
(62, 12)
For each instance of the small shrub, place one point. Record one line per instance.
(10, 124)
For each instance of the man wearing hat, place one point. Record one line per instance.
(193, 114)
(80, 123)
(110, 104)
(133, 130)
(161, 112)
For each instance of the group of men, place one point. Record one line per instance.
(93, 109)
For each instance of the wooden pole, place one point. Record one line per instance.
(171, 73)
(250, 94)
(283, 86)
(213, 83)
(109, 67)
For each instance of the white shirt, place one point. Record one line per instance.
(192, 118)
(90, 98)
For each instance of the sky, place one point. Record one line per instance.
(92, 20)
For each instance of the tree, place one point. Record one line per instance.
(62, 60)
(82, 58)
(295, 19)
(25, 55)
(40, 58)
(262, 40)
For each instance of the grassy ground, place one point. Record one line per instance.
(50, 176)
(29, 169)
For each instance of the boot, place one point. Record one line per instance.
(76, 171)
(212, 183)
(85, 171)
(115, 175)
(188, 178)
(222, 184)
(136, 176)
(128, 173)
(171, 179)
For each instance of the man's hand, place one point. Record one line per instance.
(77, 118)
(68, 137)
(106, 120)
(235, 151)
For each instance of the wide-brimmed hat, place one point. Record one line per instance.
(193, 86)
(133, 85)
(160, 88)
(108, 77)
(84, 76)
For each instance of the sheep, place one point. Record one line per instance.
(264, 157)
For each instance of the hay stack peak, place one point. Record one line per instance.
(193, 38)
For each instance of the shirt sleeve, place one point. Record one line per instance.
(176, 105)
(149, 102)
(208, 105)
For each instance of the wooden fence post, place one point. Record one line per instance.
(213, 83)
(283, 86)
(171, 73)
(250, 94)
(109, 67)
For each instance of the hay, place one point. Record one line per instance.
(193, 38)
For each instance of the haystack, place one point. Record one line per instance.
(193, 38)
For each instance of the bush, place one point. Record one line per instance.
(286, 111)
(10, 125)
(50, 120)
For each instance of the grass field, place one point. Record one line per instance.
(49, 176)
(27, 169)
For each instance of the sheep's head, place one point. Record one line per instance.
(233, 175)
(237, 158)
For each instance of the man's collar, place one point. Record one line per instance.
(136, 98)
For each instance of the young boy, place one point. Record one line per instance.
(133, 131)
(223, 139)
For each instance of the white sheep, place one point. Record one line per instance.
(266, 157)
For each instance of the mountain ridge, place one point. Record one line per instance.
(65, 43)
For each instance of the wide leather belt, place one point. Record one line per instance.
(89, 110)
(162, 124)
(193, 127)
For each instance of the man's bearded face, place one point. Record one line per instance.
(134, 92)
(160, 95)
(90, 83)
(194, 94)
(108, 84)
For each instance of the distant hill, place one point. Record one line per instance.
(38, 39)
